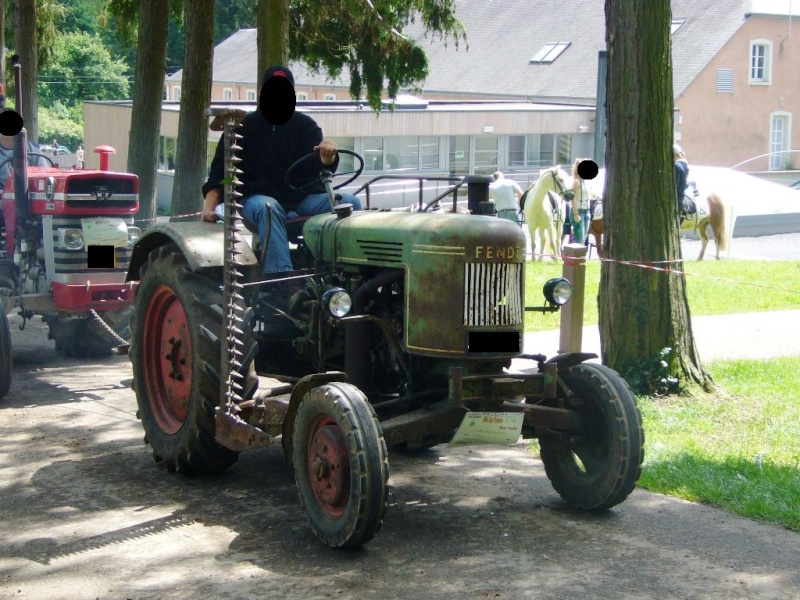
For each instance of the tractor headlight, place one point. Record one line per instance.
(134, 233)
(70, 239)
(337, 302)
(557, 291)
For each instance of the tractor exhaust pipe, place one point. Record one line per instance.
(20, 161)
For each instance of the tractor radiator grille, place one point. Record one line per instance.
(493, 294)
(75, 262)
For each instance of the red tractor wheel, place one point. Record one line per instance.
(175, 351)
(341, 465)
(5, 354)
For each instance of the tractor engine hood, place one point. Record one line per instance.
(464, 274)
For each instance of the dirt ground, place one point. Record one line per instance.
(86, 513)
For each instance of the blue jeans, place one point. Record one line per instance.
(255, 211)
(581, 230)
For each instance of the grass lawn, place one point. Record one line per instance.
(713, 288)
(739, 448)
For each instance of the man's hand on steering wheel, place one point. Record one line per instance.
(327, 152)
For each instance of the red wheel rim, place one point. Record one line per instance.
(167, 359)
(328, 467)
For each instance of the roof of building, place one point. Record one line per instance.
(504, 35)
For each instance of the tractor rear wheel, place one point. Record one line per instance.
(598, 467)
(5, 354)
(84, 337)
(341, 465)
(176, 353)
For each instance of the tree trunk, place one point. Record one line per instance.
(273, 34)
(3, 46)
(191, 153)
(151, 62)
(642, 310)
(25, 42)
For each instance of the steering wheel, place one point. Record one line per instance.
(301, 161)
(8, 160)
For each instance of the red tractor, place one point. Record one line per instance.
(65, 240)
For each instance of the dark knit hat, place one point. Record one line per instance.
(278, 71)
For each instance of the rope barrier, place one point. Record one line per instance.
(650, 265)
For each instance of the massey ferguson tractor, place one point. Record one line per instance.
(65, 240)
(397, 330)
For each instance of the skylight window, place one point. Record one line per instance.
(550, 52)
(676, 24)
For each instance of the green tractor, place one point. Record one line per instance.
(398, 328)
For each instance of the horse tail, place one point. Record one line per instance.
(718, 216)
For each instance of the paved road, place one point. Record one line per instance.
(87, 514)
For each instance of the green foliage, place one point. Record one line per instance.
(62, 123)
(367, 40)
(653, 376)
(82, 69)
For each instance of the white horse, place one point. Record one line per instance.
(544, 211)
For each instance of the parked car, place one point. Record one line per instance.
(48, 150)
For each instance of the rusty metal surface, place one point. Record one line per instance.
(437, 418)
(237, 435)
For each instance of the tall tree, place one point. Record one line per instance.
(642, 310)
(28, 49)
(151, 63)
(3, 45)
(192, 148)
(273, 34)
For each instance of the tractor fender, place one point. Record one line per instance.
(303, 386)
(570, 359)
(203, 245)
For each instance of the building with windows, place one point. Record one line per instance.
(521, 93)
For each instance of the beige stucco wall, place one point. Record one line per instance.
(108, 124)
(724, 129)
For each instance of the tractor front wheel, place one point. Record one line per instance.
(597, 467)
(176, 352)
(5, 354)
(341, 465)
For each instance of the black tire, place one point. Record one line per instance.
(175, 352)
(598, 468)
(338, 436)
(85, 337)
(5, 354)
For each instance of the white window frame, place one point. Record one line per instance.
(549, 53)
(329, 97)
(251, 95)
(227, 94)
(782, 145)
(760, 74)
(301, 96)
(176, 93)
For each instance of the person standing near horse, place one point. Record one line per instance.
(681, 177)
(580, 201)
(506, 194)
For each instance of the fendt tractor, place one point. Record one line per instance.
(396, 330)
(65, 240)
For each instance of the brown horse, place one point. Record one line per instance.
(718, 215)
